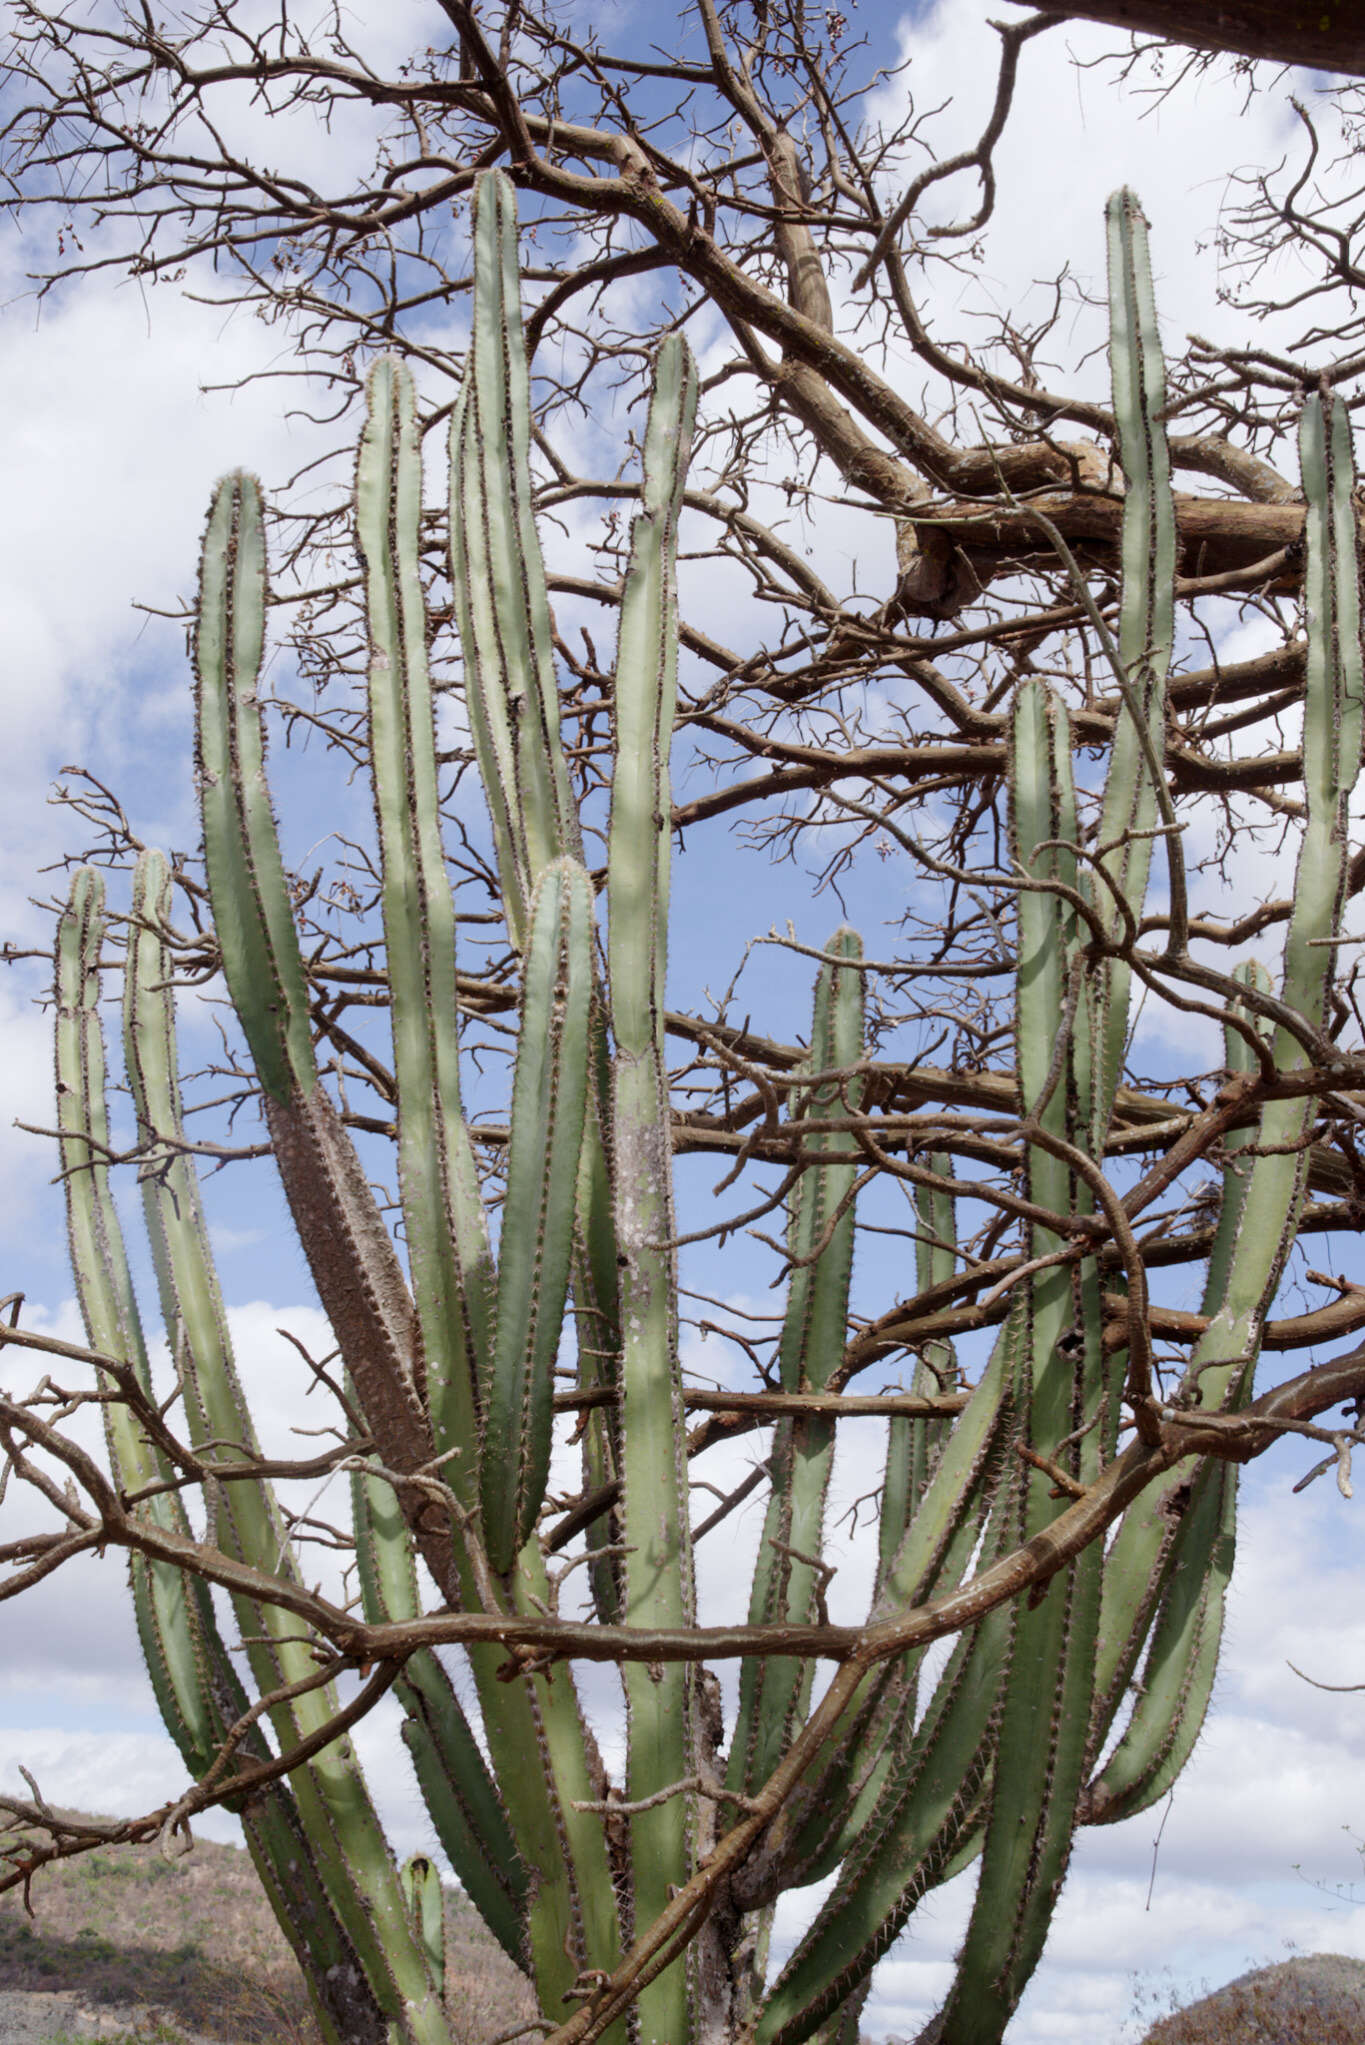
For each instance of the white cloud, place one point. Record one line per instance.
(113, 454)
(1075, 136)
(110, 1774)
(112, 450)
(27, 1162)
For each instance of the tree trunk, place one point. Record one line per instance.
(1328, 38)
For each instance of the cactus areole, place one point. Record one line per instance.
(1053, 1503)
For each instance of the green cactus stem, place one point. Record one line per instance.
(1148, 554)
(197, 1689)
(449, 1357)
(454, 1285)
(421, 1881)
(549, 1096)
(354, 1859)
(1048, 1701)
(255, 924)
(503, 609)
(448, 1253)
(775, 1694)
(1186, 1528)
(457, 1785)
(349, 1250)
(658, 1572)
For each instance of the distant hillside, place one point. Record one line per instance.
(196, 1938)
(1317, 1999)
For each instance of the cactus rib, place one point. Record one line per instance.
(506, 642)
(197, 1689)
(450, 1363)
(354, 1860)
(549, 1096)
(774, 1694)
(447, 1238)
(658, 1571)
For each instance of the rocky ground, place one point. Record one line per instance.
(65, 2016)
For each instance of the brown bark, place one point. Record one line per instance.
(1327, 38)
(1218, 535)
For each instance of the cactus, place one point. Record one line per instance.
(655, 1896)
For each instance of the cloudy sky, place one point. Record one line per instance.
(112, 445)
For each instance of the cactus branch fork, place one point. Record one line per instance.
(1024, 1069)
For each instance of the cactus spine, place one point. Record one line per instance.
(450, 1351)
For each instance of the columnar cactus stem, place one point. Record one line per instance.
(349, 1250)
(170, 1609)
(196, 1686)
(1186, 1528)
(256, 927)
(549, 1096)
(1262, 1194)
(471, 1373)
(348, 1247)
(354, 1859)
(1146, 631)
(1046, 1701)
(502, 604)
(461, 1794)
(421, 1881)
(658, 1570)
(915, 1825)
(500, 591)
(448, 1251)
(1334, 695)
(912, 1445)
(453, 1375)
(864, 1790)
(1044, 1727)
(786, 1581)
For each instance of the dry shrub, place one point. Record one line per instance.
(196, 1939)
(1316, 1999)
